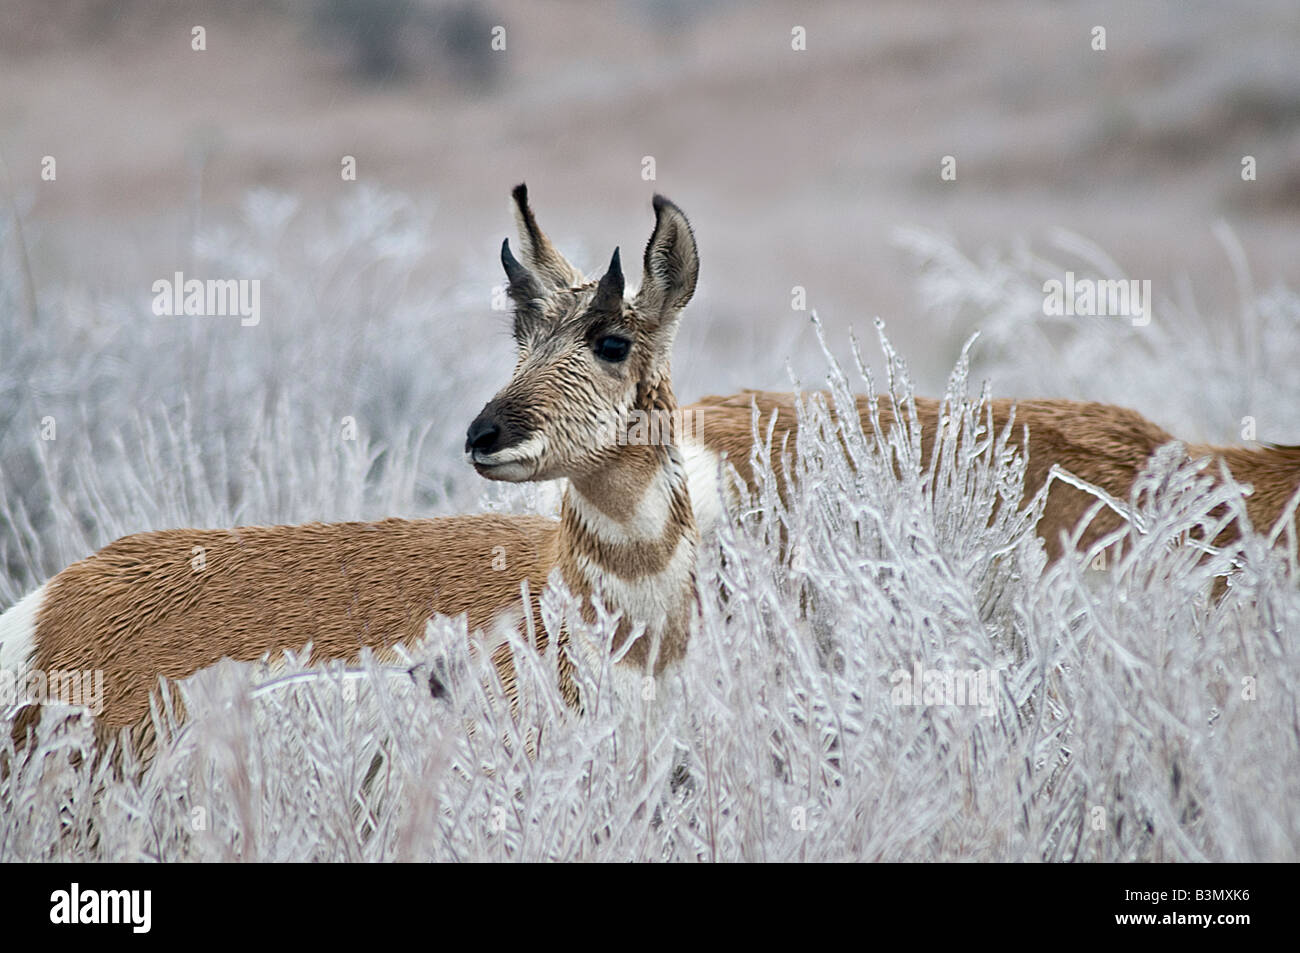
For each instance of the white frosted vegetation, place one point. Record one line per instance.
(1128, 715)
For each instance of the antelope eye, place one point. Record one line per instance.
(612, 348)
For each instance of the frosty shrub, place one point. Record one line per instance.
(884, 666)
(1196, 374)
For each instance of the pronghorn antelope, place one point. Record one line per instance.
(633, 510)
(590, 360)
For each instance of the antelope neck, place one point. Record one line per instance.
(628, 535)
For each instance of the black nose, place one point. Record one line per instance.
(483, 435)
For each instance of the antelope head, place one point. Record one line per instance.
(588, 357)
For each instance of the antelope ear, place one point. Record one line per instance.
(672, 264)
(609, 293)
(538, 253)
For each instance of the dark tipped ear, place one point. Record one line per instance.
(609, 293)
(537, 251)
(672, 264)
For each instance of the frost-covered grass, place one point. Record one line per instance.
(1126, 715)
(1197, 374)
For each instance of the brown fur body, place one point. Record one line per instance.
(139, 610)
(1105, 445)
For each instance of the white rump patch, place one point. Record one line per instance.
(18, 632)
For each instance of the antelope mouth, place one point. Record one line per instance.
(503, 466)
(517, 463)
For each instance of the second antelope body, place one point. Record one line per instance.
(593, 364)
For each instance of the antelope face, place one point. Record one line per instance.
(587, 357)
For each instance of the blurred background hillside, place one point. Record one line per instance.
(796, 167)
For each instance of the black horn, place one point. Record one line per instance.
(609, 293)
(524, 286)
